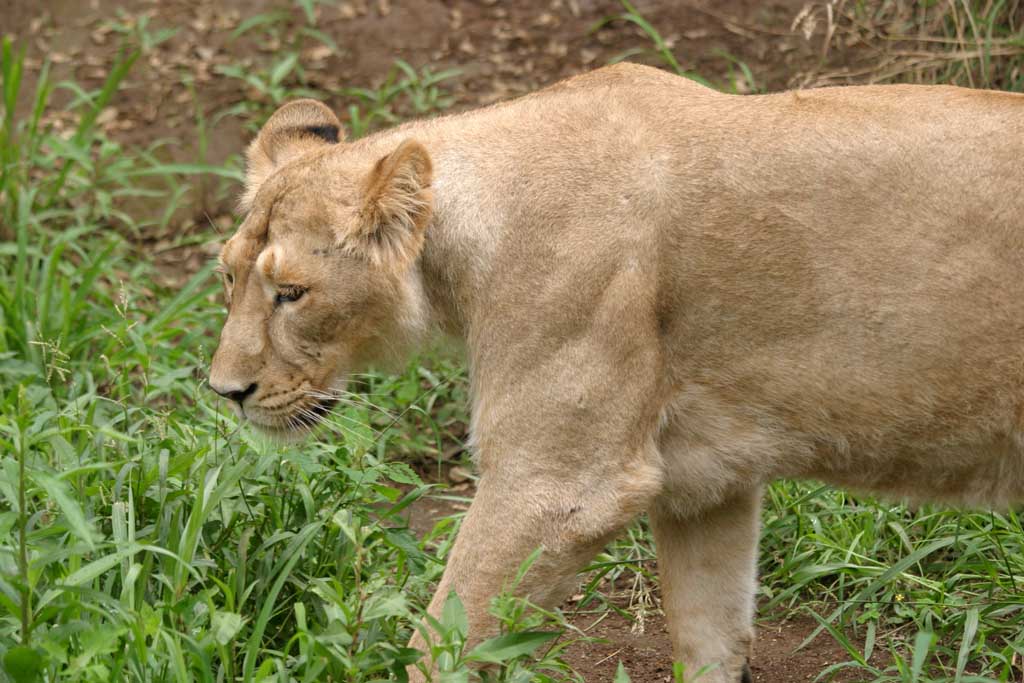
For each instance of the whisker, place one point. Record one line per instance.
(306, 418)
(345, 396)
(377, 433)
(312, 418)
(437, 387)
(331, 416)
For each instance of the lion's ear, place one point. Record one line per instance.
(396, 207)
(296, 128)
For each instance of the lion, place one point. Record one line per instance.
(668, 296)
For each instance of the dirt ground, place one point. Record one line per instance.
(646, 652)
(502, 49)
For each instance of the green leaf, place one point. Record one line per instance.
(294, 554)
(922, 646)
(226, 626)
(258, 20)
(970, 630)
(57, 490)
(97, 567)
(620, 675)
(509, 646)
(307, 8)
(402, 473)
(453, 616)
(23, 664)
(188, 170)
(870, 589)
(386, 605)
(283, 68)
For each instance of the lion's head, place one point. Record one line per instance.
(320, 278)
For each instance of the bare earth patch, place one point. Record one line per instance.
(647, 653)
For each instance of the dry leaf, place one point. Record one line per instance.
(455, 19)
(545, 19)
(459, 474)
(318, 53)
(106, 116)
(346, 10)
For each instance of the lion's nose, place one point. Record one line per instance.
(234, 394)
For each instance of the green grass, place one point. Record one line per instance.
(143, 535)
(146, 536)
(879, 574)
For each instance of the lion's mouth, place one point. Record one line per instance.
(314, 414)
(302, 419)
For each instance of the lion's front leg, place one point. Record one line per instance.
(708, 568)
(567, 398)
(514, 514)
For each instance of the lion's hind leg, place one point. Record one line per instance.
(708, 568)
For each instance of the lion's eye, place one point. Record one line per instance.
(229, 282)
(288, 293)
(226, 276)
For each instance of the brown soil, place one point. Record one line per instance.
(500, 48)
(647, 655)
(646, 652)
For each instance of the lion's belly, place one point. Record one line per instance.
(715, 442)
(973, 474)
(878, 354)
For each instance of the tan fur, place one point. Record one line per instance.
(669, 297)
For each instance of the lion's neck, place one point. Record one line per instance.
(450, 279)
(460, 241)
(467, 221)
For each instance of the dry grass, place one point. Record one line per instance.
(960, 42)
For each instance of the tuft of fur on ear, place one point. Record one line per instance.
(396, 207)
(294, 129)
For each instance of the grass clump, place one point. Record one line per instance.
(143, 535)
(975, 43)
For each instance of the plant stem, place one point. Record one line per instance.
(26, 625)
